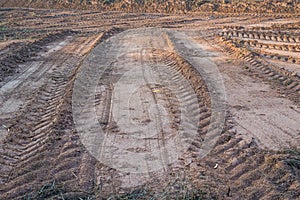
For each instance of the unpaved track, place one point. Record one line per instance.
(149, 100)
(259, 111)
(25, 149)
(31, 78)
(146, 84)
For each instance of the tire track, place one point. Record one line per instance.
(170, 82)
(252, 173)
(177, 70)
(64, 169)
(247, 167)
(288, 83)
(32, 161)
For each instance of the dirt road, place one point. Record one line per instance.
(100, 112)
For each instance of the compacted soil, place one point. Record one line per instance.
(98, 105)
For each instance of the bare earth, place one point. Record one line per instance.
(98, 105)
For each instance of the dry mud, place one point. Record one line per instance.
(95, 106)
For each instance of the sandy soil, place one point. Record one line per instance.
(98, 106)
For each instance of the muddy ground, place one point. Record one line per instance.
(98, 105)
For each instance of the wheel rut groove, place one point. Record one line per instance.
(36, 129)
(142, 88)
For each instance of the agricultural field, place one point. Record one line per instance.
(159, 101)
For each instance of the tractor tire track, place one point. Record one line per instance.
(32, 161)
